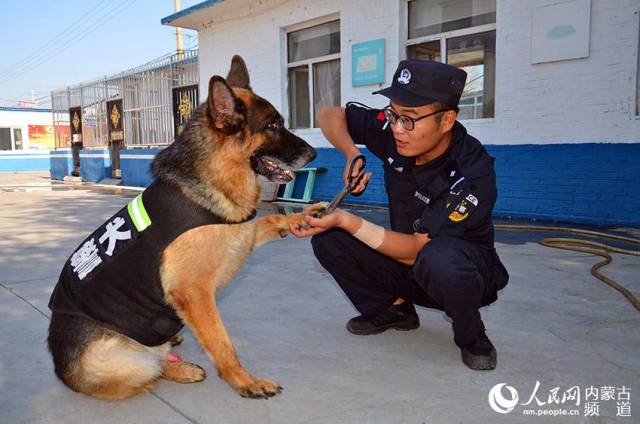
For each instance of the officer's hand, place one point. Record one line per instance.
(318, 225)
(359, 185)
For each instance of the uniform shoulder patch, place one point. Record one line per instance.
(460, 206)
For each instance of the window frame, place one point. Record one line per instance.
(309, 63)
(12, 139)
(443, 37)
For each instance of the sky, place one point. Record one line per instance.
(48, 45)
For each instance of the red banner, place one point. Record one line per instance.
(41, 136)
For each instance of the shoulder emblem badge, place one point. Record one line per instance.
(463, 208)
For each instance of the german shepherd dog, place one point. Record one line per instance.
(233, 137)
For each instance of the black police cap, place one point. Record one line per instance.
(420, 82)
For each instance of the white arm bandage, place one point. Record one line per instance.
(370, 234)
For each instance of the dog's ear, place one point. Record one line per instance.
(224, 107)
(238, 74)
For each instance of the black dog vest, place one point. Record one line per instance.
(113, 277)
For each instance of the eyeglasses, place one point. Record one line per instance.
(408, 123)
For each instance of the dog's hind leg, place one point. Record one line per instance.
(116, 367)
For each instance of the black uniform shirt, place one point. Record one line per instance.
(451, 196)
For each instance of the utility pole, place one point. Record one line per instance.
(179, 48)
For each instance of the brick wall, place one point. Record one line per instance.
(587, 183)
(266, 55)
(569, 101)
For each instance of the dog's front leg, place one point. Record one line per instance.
(198, 309)
(274, 226)
(270, 227)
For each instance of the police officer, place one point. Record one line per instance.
(441, 187)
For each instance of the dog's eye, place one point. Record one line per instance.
(275, 124)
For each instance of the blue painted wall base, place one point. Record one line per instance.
(586, 183)
(590, 183)
(24, 160)
(61, 163)
(95, 165)
(136, 166)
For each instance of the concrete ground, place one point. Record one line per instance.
(553, 324)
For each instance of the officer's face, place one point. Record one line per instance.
(430, 136)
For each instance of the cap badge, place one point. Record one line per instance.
(405, 76)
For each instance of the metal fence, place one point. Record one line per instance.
(148, 99)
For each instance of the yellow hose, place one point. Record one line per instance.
(585, 246)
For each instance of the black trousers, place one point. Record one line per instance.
(449, 274)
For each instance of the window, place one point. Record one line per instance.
(461, 33)
(7, 143)
(5, 139)
(313, 62)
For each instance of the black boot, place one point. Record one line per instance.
(481, 355)
(400, 317)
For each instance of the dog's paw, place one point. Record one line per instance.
(317, 209)
(184, 372)
(260, 389)
(193, 373)
(297, 219)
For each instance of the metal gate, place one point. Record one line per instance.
(146, 96)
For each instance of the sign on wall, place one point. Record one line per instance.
(185, 101)
(41, 137)
(367, 63)
(62, 135)
(561, 31)
(115, 120)
(27, 104)
(75, 122)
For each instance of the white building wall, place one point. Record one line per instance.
(571, 101)
(22, 120)
(261, 40)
